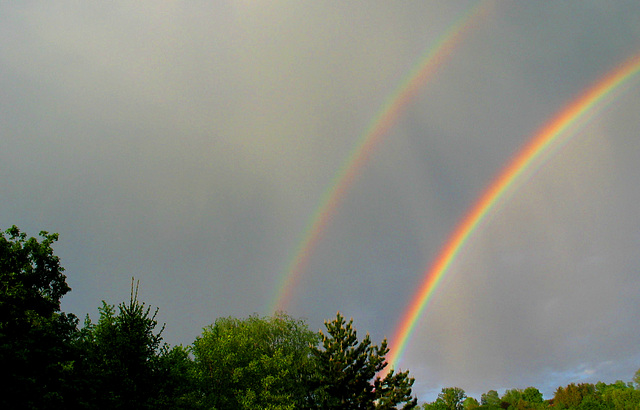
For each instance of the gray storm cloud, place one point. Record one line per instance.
(189, 144)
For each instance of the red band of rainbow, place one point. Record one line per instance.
(554, 132)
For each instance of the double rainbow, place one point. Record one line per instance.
(557, 131)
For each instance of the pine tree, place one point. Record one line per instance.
(125, 364)
(346, 375)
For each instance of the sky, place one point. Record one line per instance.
(191, 144)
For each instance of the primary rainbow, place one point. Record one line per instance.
(551, 133)
(366, 145)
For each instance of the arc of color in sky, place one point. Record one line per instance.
(556, 131)
(386, 118)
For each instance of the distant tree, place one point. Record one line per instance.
(452, 397)
(470, 404)
(619, 395)
(438, 404)
(532, 395)
(346, 374)
(512, 396)
(255, 363)
(490, 399)
(636, 379)
(36, 355)
(592, 403)
(573, 395)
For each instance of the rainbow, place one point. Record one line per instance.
(433, 58)
(557, 131)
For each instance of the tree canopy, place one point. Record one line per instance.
(254, 363)
(36, 355)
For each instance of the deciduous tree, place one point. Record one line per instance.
(532, 395)
(490, 399)
(36, 355)
(452, 397)
(470, 404)
(254, 363)
(572, 395)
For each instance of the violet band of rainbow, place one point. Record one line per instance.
(554, 132)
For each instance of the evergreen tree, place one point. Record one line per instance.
(346, 372)
(124, 363)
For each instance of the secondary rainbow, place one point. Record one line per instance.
(554, 132)
(365, 147)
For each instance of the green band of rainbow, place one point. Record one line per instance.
(552, 133)
(386, 118)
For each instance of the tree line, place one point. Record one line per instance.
(50, 361)
(582, 396)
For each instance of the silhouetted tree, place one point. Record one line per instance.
(36, 355)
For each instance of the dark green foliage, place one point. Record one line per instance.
(36, 355)
(593, 403)
(177, 389)
(254, 363)
(490, 399)
(346, 375)
(273, 363)
(532, 395)
(124, 364)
